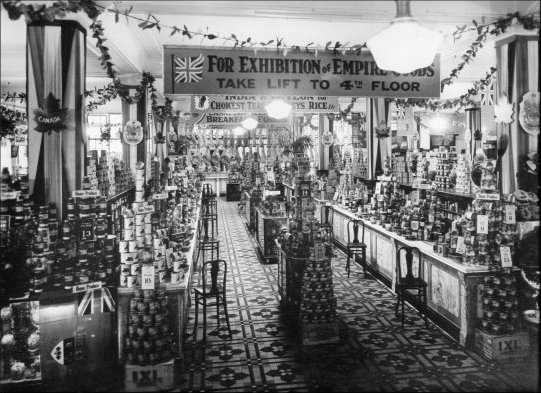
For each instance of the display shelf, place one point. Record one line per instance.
(267, 228)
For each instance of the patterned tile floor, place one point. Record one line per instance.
(374, 354)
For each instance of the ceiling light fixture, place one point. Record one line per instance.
(405, 46)
(249, 123)
(278, 109)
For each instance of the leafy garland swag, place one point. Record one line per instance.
(59, 9)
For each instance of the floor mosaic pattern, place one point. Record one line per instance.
(374, 354)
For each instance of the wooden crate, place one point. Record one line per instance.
(320, 333)
(502, 347)
(151, 378)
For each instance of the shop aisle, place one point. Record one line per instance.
(375, 352)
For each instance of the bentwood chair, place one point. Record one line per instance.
(211, 288)
(327, 219)
(411, 285)
(356, 249)
(208, 242)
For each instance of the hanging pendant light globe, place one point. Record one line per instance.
(405, 46)
(249, 123)
(278, 109)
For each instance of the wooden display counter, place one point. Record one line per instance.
(267, 228)
(218, 181)
(454, 290)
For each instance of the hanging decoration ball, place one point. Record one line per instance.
(503, 111)
(382, 131)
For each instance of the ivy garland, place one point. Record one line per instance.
(9, 97)
(463, 101)
(59, 9)
(9, 119)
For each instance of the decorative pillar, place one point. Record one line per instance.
(56, 64)
(325, 126)
(517, 59)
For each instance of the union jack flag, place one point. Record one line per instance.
(188, 69)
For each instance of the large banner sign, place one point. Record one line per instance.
(232, 120)
(227, 71)
(256, 104)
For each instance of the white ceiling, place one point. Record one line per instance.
(298, 22)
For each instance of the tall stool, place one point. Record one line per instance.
(208, 192)
(327, 219)
(354, 246)
(208, 240)
(213, 289)
(209, 209)
(410, 282)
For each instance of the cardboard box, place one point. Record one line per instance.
(502, 347)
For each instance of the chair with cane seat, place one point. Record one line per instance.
(327, 219)
(410, 282)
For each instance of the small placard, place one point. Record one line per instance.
(20, 140)
(171, 188)
(384, 178)
(9, 195)
(487, 197)
(86, 287)
(144, 209)
(510, 216)
(482, 225)
(4, 222)
(381, 197)
(414, 225)
(424, 186)
(505, 254)
(86, 193)
(378, 188)
(460, 246)
(147, 277)
(163, 195)
(415, 196)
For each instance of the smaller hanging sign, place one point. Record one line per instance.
(326, 138)
(505, 254)
(20, 140)
(510, 215)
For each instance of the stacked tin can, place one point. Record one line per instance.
(127, 248)
(500, 304)
(148, 339)
(443, 168)
(463, 179)
(92, 168)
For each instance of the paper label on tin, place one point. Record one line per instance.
(163, 195)
(171, 188)
(147, 277)
(460, 246)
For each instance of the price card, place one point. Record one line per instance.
(414, 225)
(482, 225)
(86, 229)
(505, 254)
(378, 188)
(147, 277)
(415, 196)
(431, 218)
(162, 195)
(460, 246)
(510, 217)
(171, 188)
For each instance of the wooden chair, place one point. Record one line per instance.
(355, 247)
(410, 282)
(215, 288)
(209, 210)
